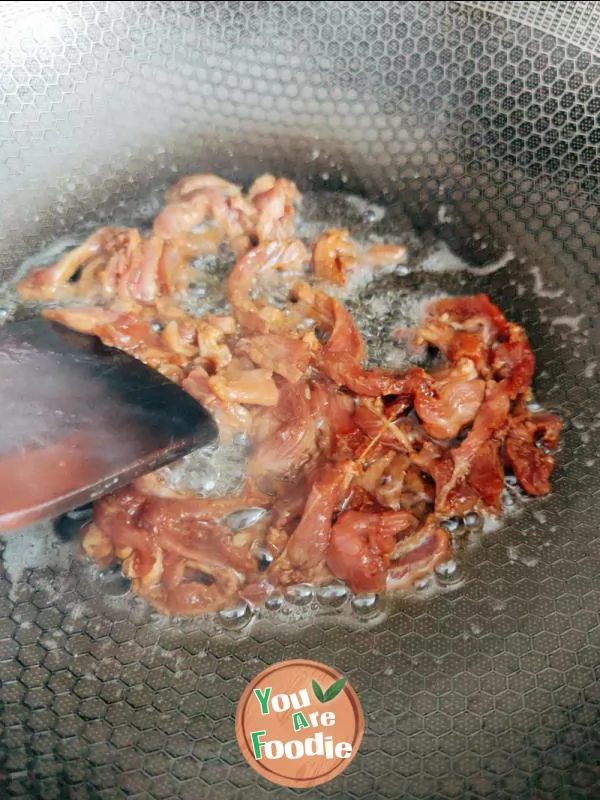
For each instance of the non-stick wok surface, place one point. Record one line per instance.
(478, 122)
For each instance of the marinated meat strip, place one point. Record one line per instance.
(352, 469)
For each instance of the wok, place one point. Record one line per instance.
(478, 124)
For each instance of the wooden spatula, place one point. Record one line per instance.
(78, 419)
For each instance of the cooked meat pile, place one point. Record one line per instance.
(352, 471)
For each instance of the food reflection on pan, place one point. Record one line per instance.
(352, 470)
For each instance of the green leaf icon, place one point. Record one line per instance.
(318, 692)
(334, 689)
(327, 695)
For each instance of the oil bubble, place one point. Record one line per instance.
(264, 556)
(472, 520)
(333, 595)
(451, 525)
(423, 583)
(244, 518)
(300, 595)
(235, 618)
(274, 602)
(366, 605)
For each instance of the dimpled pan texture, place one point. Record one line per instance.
(477, 122)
